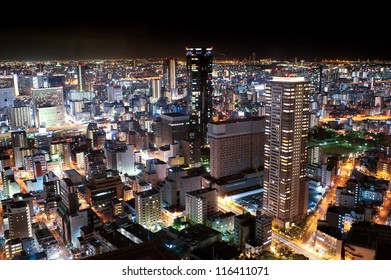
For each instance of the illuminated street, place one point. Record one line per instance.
(296, 246)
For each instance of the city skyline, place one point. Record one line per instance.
(293, 160)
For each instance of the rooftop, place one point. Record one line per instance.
(288, 79)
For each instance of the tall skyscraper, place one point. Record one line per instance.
(285, 188)
(236, 146)
(156, 88)
(81, 71)
(199, 69)
(169, 75)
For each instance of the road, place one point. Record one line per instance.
(384, 210)
(226, 205)
(346, 169)
(64, 252)
(295, 246)
(358, 118)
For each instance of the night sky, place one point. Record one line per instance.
(231, 37)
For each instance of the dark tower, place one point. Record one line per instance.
(199, 69)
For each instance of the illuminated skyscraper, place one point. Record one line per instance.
(286, 128)
(48, 106)
(169, 74)
(81, 71)
(199, 69)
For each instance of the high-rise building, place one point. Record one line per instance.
(169, 66)
(156, 89)
(199, 69)
(16, 85)
(48, 106)
(148, 207)
(21, 117)
(19, 220)
(200, 204)
(191, 152)
(236, 146)
(285, 188)
(81, 71)
(19, 142)
(175, 127)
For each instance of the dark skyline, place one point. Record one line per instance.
(78, 39)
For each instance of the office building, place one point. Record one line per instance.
(5, 161)
(81, 71)
(244, 230)
(16, 85)
(192, 152)
(200, 204)
(286, 127)
(175, 127)
(148, 207)
(19, 220)
(48, 106)
(114, 93)
(263, 231)
(120, 156)
(69, 196)
(12, 248)
(19, 142)
(29, 82)
(61, 151)
(10, 187)
(199, 69)
(7, 97)
(169, 73)
(101, 191)
(156, 89)
(236, 146)
(20, 117)
(368, 241)
(188, 183)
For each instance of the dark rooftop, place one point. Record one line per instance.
(151, 250)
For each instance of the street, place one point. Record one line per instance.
(64, 252)
(297, 247)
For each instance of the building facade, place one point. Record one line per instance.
(200, 204)
(286, 129)
(148, 207)
(235, 146)
(199, 69)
